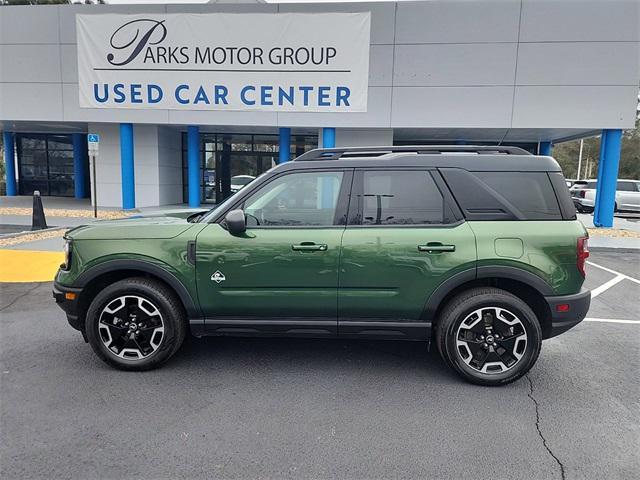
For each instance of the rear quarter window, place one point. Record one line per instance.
(530, 193)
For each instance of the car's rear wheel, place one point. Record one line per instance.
(135, 324)
(489, 336)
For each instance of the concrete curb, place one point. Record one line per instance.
(31, 232)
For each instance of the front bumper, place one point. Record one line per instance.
(561, 321)
(69, 305)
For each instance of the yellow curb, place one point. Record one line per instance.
(29, 265)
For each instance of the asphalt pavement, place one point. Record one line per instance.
(282, 408)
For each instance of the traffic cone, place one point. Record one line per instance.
(38, 222)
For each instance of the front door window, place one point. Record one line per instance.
(298, 199)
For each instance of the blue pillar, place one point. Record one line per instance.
(126, 165)
(9, 161)
(193, 165)
(328, 138)
(284, 145)
(79, 164)
(545, 148)
(610, 146)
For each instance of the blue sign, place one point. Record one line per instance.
(93, 138)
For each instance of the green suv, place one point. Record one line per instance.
(474, 248)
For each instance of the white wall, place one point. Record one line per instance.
(353, 137)
(485, 64)
(157, 165)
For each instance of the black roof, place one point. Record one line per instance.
(468, 157)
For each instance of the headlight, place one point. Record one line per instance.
(67, 254)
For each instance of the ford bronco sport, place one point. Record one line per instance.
(476, 249)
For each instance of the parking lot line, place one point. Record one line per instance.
(611, 320)
(607, 285)
(613, 271)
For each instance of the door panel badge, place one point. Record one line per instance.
(218, 276)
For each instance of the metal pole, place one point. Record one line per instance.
(94, 185)
(580, 158)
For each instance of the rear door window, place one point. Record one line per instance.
(399, 197)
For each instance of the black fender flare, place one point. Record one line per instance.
(453, 282)
(163, 274)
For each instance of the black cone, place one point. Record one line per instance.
(38, 221)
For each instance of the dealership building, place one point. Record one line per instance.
(190, 101)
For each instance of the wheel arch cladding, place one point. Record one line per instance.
(525, 285)
(114, 270)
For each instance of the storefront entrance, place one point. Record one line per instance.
(45, 163)
(230, 161)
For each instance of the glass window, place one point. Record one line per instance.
(401, 198)
(627, 187)
(530, 192)
(298, 199)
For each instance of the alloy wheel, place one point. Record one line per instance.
(131, 327)
(491, 340)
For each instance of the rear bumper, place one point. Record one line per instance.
(578, 307)
(68, 305)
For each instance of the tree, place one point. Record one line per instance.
(567, 154)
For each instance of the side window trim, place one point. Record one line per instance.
(342, 202)
(356, 206)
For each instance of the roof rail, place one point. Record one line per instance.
(355, 152)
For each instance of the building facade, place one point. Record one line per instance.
(519, 72)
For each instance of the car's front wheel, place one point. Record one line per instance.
(489, 336)
(135, 324)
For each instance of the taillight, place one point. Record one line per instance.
(583, 254)
(582, 193)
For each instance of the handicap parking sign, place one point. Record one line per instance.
(93, 139)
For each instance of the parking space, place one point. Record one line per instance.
(282, 408)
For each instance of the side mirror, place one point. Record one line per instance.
(236, 222)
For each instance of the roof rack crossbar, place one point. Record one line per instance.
(354, 152)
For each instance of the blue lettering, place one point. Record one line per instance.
(282, 95)
(323, 96)
(179, 99)
(305, 95)
(136, 93)
(243, 95)
(221, 93)
(201, 96)
(342, 95)
(105, 89)
(158, 93)
(265, 98)
(118, 94)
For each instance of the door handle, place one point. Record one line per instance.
(436, 247)
(310, 247)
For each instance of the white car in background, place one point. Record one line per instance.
(583, 193)
(238, 182)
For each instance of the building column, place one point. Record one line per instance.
(80, 164)
(284, 145)
(610, 146)
(193, 165)
(127, 167)
(10, 163)
(328, 137)
(545, 148)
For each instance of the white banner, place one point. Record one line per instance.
(287, 62)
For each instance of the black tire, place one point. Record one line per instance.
(463, 305)
(160, 297)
